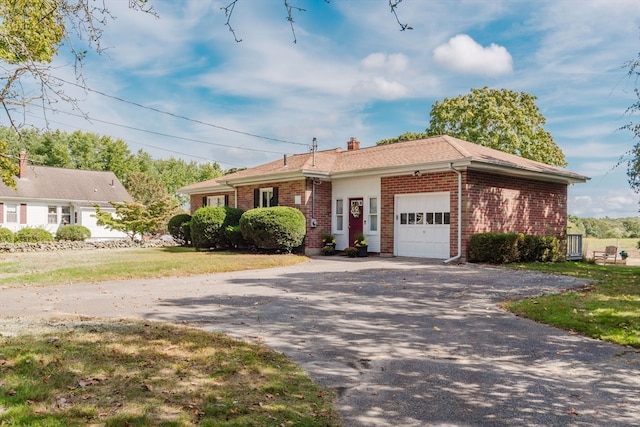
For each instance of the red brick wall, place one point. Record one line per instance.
(490, 203)
(408, 184)
(286, 197)
(502, 204)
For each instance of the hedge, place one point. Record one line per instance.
(32, 235)
(180, 229)
(502, 248)
(279, 227)
(209, 224)
(73, 233)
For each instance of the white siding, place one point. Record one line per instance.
(346, 189)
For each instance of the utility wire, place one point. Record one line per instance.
(178, 116)
(89, 118)
(129, 141)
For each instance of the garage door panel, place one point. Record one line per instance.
(422, 225)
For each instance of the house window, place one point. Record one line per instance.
(52, 215)
(215, 201)
(373, 214)
(339, 215)
(66, 214)
(266, 195)
(12, 212)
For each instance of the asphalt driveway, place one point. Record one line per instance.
(405, 342)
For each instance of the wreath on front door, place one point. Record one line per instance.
(355, 208)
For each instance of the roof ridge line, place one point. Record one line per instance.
(455, 143)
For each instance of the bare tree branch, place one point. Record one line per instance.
(394, 5)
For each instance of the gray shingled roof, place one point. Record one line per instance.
(72, 185)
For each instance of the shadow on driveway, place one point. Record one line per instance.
(405, 342)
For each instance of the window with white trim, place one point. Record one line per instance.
(266, 195)
(339, 215)
(215, 201)
(52, 214)
(373, 214)
(11, 210)
(66, 214)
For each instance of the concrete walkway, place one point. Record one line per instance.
(405, 342)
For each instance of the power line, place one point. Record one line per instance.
(178, 116)
(89, 118)
(129, 141)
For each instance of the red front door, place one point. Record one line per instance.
(356, 214)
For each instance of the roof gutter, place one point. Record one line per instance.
(457, 257)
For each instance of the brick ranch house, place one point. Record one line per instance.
(421, 198)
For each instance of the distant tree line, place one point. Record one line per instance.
(146, 179)
(605, 228)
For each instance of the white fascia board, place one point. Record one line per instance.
(404, 169)
(568, 178)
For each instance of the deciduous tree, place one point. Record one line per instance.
(501, 119)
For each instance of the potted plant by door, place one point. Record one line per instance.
(361, 245)
(328, 244)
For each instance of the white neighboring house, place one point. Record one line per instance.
(49, 198)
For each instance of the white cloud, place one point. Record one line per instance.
(379, 87)
(464, 55)
(393, 63)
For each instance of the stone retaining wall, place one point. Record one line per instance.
(68, 245)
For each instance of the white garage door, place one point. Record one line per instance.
(422, 225)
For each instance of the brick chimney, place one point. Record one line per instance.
(23, 164)
(353, 144)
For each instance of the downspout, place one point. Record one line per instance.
(459, 216)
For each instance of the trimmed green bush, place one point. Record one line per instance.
(6, 235)
(179, 229)
(74, 233)
(279, 227)
(33, 235)
(502, 248)
(233, 235)
(208, 226)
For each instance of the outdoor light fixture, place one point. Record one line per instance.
(417, 173)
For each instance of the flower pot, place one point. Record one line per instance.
(362, 251)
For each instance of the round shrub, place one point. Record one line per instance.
(6, 235)
(279, 227)
(33, 235)
(234, 236)
(208, 226)
(176, 227)
(74, 233)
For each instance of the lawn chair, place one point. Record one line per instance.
(610, 253)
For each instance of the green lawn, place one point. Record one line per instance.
(607, 309)
(68, 267)
(107, 373)
(91, 373)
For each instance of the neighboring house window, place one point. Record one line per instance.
(216, 201)
(265, 197)
(12, 212)
(66, 214)
(339, 215)
(373, 214)
(52, 215)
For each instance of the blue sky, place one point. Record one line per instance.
(353, 73)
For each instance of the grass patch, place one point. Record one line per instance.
(138, 374)
(55, 268)
(608, 309)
